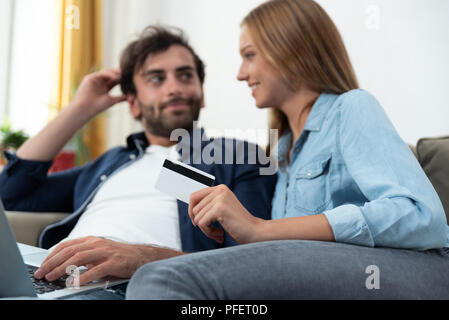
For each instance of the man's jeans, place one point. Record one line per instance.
(293, 269)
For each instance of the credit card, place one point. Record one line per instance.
(181, 180)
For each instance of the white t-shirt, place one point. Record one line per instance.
(127, 207)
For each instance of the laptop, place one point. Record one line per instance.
(18, 262)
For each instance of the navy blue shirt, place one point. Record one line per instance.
(26, 186)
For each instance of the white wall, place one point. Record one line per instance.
(399, 50)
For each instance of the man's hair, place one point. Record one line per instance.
(153, 40)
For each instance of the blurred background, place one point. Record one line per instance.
(399, 49)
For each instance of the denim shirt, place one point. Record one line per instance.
(351, 165)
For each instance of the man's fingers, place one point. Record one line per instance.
(91, 252)
(49, 263)
(61, 256)
(109, 73)
(109, 84)
(118, 99)
(105, 79)
(61, 247)
(97, 272)
(79, 259)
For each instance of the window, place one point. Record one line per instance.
(26, 55)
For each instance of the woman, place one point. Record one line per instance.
(346, 181)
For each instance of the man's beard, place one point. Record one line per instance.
(166, 122)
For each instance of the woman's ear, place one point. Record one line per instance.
(134, 107)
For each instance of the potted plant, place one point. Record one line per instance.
(10, 140)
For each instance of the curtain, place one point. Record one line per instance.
(79, 45)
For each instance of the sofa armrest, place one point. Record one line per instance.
(27, 226)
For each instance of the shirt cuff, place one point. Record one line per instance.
(349, 225)
(36, 169)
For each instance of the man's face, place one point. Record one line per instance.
(169, 92)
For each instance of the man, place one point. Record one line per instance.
(119, 220)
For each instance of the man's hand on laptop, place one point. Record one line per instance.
(102, 258)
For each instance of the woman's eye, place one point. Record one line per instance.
(249, 55)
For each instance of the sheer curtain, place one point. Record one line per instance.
(79, 52)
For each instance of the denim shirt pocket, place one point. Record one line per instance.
(312, 194)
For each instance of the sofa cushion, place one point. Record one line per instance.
(433, 155)
(27, 226)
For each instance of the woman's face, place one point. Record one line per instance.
(267, 86)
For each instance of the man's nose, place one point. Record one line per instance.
(173, 87)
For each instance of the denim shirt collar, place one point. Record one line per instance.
(319, 111)
(314, 122)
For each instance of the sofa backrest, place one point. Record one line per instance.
(433, 155)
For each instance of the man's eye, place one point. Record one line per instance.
(186, 76)
(156, 79)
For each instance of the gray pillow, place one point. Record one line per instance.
(433, 155)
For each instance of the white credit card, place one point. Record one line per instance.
(180, 180)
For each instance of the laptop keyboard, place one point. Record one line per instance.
(42, 285)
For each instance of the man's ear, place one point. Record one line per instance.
(134, 107)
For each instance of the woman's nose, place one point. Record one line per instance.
(242, 74)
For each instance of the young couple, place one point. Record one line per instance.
(349, 194)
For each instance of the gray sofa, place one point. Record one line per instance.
(432, 154)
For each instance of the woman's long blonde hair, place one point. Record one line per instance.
(301, 41)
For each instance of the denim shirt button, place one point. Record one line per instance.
(132, 156)
(103, 177)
